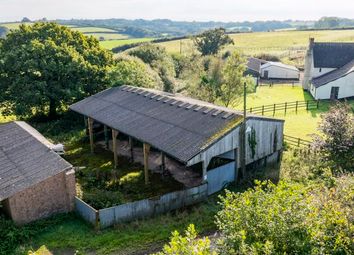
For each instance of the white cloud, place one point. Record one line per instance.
(222, 10)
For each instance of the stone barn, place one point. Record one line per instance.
(35, 182)
(194, 141)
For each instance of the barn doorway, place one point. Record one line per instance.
(334, 93)
(222, 170)
(266, 74)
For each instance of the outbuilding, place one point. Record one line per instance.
(35, 182)
(187, 137)
(279, 71)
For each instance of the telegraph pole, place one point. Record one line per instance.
(243, 134)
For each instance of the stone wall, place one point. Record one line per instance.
(54, 195)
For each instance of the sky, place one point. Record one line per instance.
(188, 10)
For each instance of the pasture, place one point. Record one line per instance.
(115, 43)
(301, 124)
(290, 46)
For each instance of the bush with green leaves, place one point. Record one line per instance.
(288, 218)
(189, 244)
(336, 141)
(129, 70)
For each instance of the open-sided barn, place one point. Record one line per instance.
(35, 182)
(197, 136)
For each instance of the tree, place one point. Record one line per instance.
(188, 244)
(25, 19)
(212, 41)
(133, 71)
(233, 73)
(336, 143)
(45, 66)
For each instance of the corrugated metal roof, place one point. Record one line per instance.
(279, 64)
(332, 55)
(254, 64)
(25, 158)
(177, 125)
(334, 75)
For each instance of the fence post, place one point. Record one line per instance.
(298, 142)
(274, 110)
(296, 106)
(307, 105)
(286, 104)
(262, 109)
(318, 103)
(251, 110)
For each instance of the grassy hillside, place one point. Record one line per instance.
(115, 43)
(290, 46)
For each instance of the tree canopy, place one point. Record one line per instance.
(210, 42)
(46, 66)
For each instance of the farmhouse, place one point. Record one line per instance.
(279, 71)
(186, 137)
(329, 70)
(35, 182)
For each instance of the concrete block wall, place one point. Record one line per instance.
(54, 195)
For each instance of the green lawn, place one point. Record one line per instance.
(302, 124)
(116, 43)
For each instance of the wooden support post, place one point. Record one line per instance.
(307, 105)
(318, 103)
(146, 149)
(298, 142)
(90, 128)
(262, 109)
(131, 147)
(297, 103)
(163, 163)
(286, 104)
(106, 140)
(236, 166)
(251, 110)
(115, 147)
(274, 110)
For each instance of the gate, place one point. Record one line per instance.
(219, 177)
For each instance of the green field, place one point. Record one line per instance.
(115, 43)
(14, 25)
(290, 46)
(93, 29)
(302, 124)
(107, 36)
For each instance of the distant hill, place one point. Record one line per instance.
(169, 28)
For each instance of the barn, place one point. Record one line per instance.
(195, 141)
(329, 70)
(279, 71)
(253, 68)
(35, 182)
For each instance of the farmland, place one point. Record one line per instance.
(288, 45)
(115, 43)
(302, 124)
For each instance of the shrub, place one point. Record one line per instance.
(188, 244)
(133, 71)
(268, 57)
(286, 219)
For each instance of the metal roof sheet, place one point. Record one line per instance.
(175, 128)
(25, 158)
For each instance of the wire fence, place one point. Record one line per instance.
(284, 107)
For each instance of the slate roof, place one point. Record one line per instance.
(254, 64)
(332, 55)
(279, 64)
(25, 158)
(179, 126)
(334, 75)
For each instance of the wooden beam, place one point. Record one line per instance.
(146, 149)
(163, 163)
(115, 147)
(90, 128)
(131, 146)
